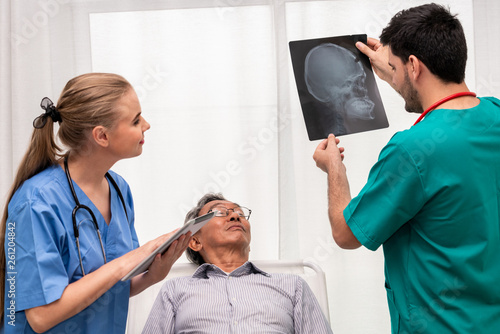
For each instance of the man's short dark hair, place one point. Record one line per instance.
(433, 35)
(192, 255)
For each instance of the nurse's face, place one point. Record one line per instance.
(127, 137)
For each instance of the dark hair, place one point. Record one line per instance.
(193, 256)
(433, 35)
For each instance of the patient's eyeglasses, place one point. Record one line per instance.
(240, 210)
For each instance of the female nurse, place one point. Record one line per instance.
(67, 234)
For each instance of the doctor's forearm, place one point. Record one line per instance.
(339, 197)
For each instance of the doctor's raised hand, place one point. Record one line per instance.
(379, 58)
(68, 228)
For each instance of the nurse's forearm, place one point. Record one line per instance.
(76, 297)
(339, 197)
(82, 293)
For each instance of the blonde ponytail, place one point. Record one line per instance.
(85, 102)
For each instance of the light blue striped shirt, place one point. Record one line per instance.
(248, 300)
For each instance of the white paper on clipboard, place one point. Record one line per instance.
(193, 225)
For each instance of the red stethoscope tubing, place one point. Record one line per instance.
(438, 103)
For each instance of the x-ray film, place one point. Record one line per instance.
(337, 89)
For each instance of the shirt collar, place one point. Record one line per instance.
(206, 270)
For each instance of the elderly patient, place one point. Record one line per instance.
(227, 293)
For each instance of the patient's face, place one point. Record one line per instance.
(231, 231)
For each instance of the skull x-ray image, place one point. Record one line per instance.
(336, 86)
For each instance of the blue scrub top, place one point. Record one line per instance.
(42, 258)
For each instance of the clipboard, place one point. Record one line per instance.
(193, 226)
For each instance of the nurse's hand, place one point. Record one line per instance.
(162, 264)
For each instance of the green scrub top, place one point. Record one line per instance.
(433, 201)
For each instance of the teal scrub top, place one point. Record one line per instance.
(433, 201)
(42, 257)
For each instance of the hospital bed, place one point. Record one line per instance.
(141, 305)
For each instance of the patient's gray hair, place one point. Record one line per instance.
(192, 255)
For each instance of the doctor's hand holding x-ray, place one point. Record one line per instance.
(68, 230)
(378, 55)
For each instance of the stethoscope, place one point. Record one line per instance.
(440, 102)
(86, 208)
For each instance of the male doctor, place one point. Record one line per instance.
(433, 198)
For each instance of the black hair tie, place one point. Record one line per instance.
(50, 111)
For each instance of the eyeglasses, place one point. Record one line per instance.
(241, 211)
